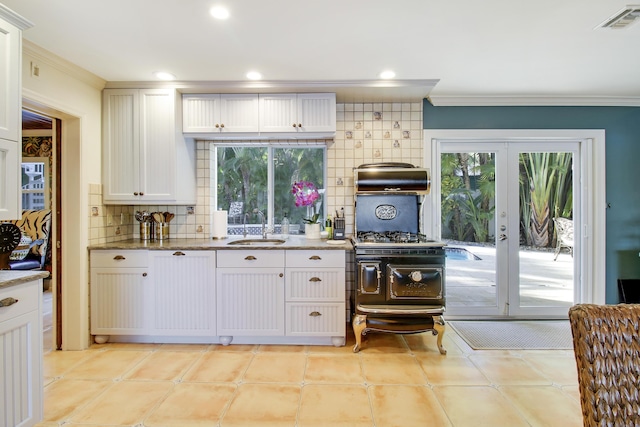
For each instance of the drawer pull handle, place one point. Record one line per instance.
(314, 257)
(315, 279)
(7, 302)
(144, 274)
(119, 258)
(250, 258)
(315, 314)
(179, 253)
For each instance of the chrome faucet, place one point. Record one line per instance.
(244, 225)
(262, 218)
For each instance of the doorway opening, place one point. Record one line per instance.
(41, 136)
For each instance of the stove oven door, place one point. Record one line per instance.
(415, 284)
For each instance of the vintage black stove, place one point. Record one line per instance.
(400, 274)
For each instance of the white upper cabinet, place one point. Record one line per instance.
(145, 160)
(9, 80)
(11, 26)
(213, 113)
(302, 112)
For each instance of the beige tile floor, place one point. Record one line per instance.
(394, 381)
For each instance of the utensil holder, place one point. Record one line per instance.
(145, 231)
(162, 231)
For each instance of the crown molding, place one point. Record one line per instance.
(494, 101)
(14, 18)
(346, 90)
(62, 65)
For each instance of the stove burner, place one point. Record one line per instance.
(391, 237)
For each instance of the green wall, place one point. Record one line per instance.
(622, 127)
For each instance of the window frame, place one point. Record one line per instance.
(271, 146)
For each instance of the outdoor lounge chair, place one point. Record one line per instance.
(606, 343)
(564, 235)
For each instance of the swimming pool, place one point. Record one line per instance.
(460, 254)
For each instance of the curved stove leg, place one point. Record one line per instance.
(439, 326)
(359, 324)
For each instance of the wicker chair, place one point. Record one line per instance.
(606, 342)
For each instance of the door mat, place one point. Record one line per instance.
(515, 335)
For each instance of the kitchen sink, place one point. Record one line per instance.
(256, 242)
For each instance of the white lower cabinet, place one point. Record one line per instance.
(21, 385)
(184, 293)
(121, 294)
(245, 296)
(250, 293)
(315, 294)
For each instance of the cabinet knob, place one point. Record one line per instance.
(119, 258)
(315, 279)
(144, 274)
(135, 193)
(250, 258)
(315, 257)
(141, 193)
(299, 125)
(222, 125)
(280, 275)
(217, 125)
(315, 314)
(179, 253)
(294, 125)
(7, 302)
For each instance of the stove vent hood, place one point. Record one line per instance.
(391, 178)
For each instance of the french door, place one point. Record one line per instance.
(499, 203)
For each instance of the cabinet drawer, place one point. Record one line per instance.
(114, 258)
(311, 258)
(27, 296)
(319, 284)
(249, 258)
(319, 319)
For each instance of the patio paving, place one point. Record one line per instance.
(543, 281)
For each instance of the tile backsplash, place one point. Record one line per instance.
(366, 133)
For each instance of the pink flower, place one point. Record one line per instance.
(306, 194)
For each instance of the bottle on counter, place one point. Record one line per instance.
(285, 226)
(328, 227)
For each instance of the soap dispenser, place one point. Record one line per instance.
(285, 226)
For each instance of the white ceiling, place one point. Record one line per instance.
(489, 52)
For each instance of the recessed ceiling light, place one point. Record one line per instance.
(219, 12)
(254, 75)
(163, 75)
(387, 74)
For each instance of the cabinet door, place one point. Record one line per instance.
(121, 301)
(239, 113)
(10, 102)
(184, 292)
(316, 112)
(201, 113)
(278, 113)
(20, 369)
(121, 145)
(10, 200)
(158, 145)
(250, 301)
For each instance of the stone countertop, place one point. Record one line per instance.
(11, 278)
(292, 242)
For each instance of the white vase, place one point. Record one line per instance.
(312, 231)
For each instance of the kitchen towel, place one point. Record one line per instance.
(219, 229)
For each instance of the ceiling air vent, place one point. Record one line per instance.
(622, 18)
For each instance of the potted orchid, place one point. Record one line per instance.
(306, 194)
